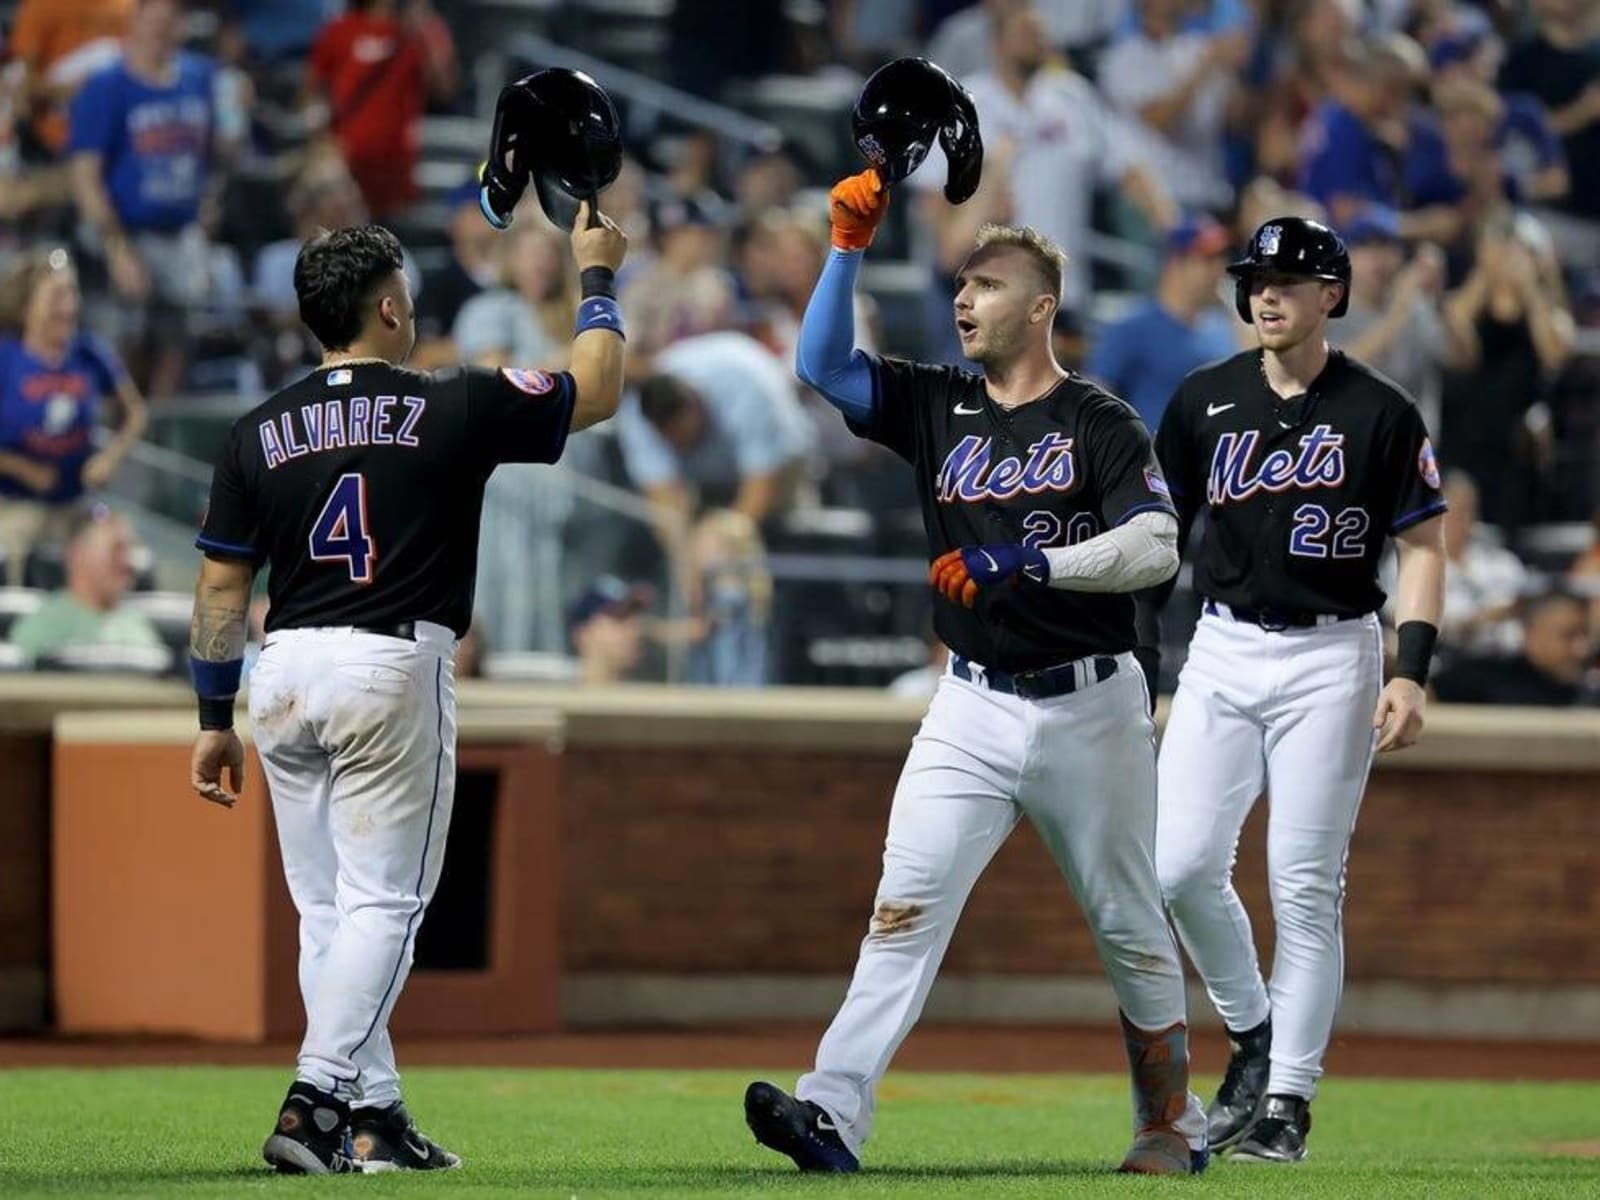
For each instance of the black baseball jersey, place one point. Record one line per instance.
(1299, 494)
(1063, 468)
(362, 485)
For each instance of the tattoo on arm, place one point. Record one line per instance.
(216, 633)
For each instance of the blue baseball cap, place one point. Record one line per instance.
(608, 596)
(1376, 224)
(1198, 235)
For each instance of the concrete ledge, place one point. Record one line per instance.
(1478, 1011)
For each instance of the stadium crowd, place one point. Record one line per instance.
(160, 163)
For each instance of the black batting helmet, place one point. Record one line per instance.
(558, 129)
(902, 108)
(1292, 246)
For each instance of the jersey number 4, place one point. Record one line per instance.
(340, 533)
(1313, 526)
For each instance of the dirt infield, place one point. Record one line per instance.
(931, 1048)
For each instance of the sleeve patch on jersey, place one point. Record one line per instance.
(1158, 485)
(535, 383)
(1428, 465)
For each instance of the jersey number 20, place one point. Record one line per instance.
(340, 533)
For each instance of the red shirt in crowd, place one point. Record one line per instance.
(370, 66)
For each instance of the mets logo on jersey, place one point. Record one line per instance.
(969, 476)
(1318, 463)
(1428, 465)
(535, 383)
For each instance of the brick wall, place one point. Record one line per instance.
(765, 861)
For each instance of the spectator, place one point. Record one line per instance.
(606, 630)
(767, 181)
(737, 602)
(1367, 146)
(1530, 151)
(1063, 140)
(528, 319)
(1513, 333)
(1556, 649)
(963, 44)
(280, 31)
(1180, 88)
(59, 44)
(684, 292)
(1300, 57)
(54, 380)
(375, 72)
(1144, 356)
(1393, 322)
(89, 610)
(1483, 580)
(474, 266)
(1559, 62)
(142, 134)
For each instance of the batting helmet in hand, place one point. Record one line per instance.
(558, 129)
(902, 108)
(1292, 246)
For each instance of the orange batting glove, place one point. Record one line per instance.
(855, 206)
(950, 579)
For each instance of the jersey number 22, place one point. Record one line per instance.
(340, 532)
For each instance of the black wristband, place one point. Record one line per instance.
(216, 712)
(598, 281)
(1414, 652)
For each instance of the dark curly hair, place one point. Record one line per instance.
(334, 276)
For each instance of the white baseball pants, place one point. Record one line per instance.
(1292, 711)
(357, 736)
(1081, 767)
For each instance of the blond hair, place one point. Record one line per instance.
(1049, 259)
(22, 279)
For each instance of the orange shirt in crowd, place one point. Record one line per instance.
(64, 41)
(370, 67)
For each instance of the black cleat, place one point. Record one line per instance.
(1244, 1085)
(1279, 1134)
(310, 1136)
(798, 1128)
(387, 1139)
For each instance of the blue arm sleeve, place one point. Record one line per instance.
(827, 358)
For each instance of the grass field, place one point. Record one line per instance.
(197, 1132)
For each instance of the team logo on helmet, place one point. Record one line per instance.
(1267, 240)
(873, 149)
(1428, 465)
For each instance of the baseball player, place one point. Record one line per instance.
(1306, 462)
(361, 486)
(1044, 508)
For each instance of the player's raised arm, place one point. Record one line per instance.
(827, 358)
(598, 350)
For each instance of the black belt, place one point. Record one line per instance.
(406, 631)
(1272, 619)
(1035, 685)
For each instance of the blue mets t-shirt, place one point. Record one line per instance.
(155, 141)
(48, 410)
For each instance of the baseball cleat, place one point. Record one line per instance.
(1279, 1134)
(387, 1139)
(1163, 1152)
(1244, 1086)
(310, 1135)
(802, 1130)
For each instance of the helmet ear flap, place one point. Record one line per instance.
(962, 143)
(1241, 298)
(1343, 306)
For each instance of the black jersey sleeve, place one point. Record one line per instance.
(230, 527)
(1180, 462)
(1411, 471)
(1123, 464)
(902, 395)
(518, 416)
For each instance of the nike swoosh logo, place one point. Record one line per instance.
(989, 558)
(826, 1122)
(1213, 409)
(963, 411)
